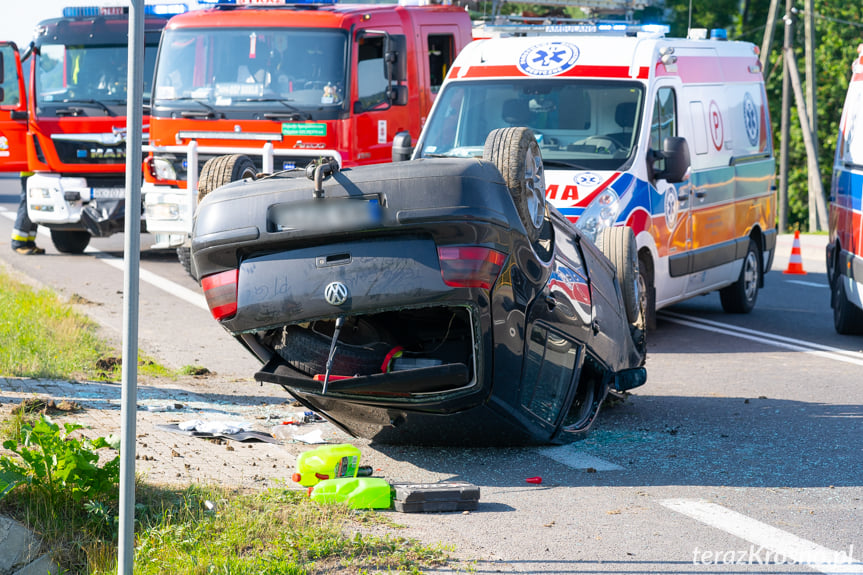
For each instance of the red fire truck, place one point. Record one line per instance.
(282, 85)
(71, 130)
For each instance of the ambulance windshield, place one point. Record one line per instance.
(242, 71)
(578, 124)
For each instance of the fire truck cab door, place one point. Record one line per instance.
(13, 111)
(377, 118)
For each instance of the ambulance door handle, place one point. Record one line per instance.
(700, 193)
(683, 194)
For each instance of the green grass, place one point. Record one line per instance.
(43, 337)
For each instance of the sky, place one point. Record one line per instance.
(19, 17)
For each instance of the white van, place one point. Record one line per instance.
(668, 136)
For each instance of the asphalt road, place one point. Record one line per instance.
(742, 453)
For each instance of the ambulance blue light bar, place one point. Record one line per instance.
(149, 9)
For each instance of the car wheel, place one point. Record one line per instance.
(647, 291)
(308, 351)
(516, 154)
(847, 317)
(740, 296)
(618, 245)
(223, 170)
(70, 241)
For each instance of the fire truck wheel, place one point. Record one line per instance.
(184, 254)
(70, 241)
(847, 317)
(618, 245)
(740, 296)
(223, 170)
(516, 154)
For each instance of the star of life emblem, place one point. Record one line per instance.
(548, 59)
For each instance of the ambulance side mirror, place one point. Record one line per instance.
(673, 161)
(402, 147)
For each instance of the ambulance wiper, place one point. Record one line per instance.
(209, 113)
(77, 111)
(563, 164)
(301, 114)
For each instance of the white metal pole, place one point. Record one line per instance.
(131, 277)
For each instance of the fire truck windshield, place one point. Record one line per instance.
(579, 124)
(86, 80)
(243, 72)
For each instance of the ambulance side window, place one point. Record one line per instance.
(664, 121)
(441, 55)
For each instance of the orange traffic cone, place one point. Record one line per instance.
(795, 263)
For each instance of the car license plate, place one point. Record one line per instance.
(325, 215)
(107, 193)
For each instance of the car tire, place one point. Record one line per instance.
(70, 241)
(740, 297)
(847, 317)
(307, 351)
(517, 156)
(618, 245)
(223, 170)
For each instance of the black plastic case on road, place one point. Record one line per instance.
(435, 497)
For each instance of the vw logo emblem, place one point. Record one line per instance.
(336, 293)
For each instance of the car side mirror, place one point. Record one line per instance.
(674, 158)
(403, 147)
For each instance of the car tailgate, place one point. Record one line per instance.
(379, 274)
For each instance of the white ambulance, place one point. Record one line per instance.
(668, 136)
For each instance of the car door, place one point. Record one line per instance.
(13, 111)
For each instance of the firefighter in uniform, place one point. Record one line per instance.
(24, 231)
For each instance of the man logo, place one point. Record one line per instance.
(336, 293)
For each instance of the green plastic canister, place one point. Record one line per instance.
(357, 492)
(327, 462)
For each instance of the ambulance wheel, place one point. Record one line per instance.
(847, 317)
(647, 291)
(618, 245)
(740, 296)
(516, 154)
(223, 170)
(70, 241)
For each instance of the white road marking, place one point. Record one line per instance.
(783, 547)
(825, 351)
(572, 457)
(147, 276)
(808, 284)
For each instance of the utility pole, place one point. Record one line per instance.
(816, 192)
(786, 117)
(811, 111)
(769, 29)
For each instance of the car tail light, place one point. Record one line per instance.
(470, 266)
(221, 292)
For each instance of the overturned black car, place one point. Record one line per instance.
(433, 301)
